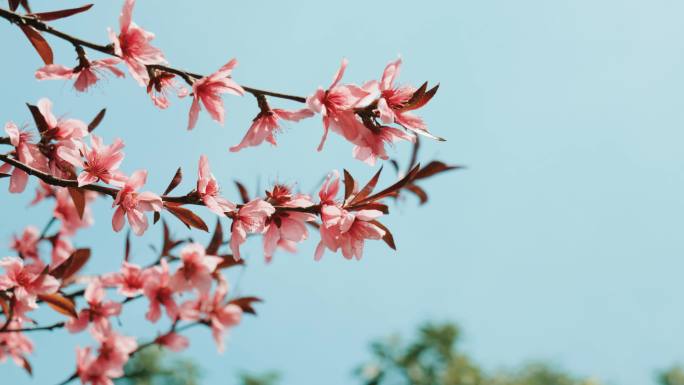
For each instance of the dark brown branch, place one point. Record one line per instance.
(108, 49)
(57, 325)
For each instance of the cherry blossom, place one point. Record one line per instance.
(27, 153)
(97, 312)
(87, 73)
(133, 45)
(336, 105)
(130, 279)
(265, 126)
(285, 229)
(173, 341)
(60, 128)
(159, 292)
(90, 370)
(61, 250)
(101, 162)
(27, 245)
(27, 281)
(208, 90)
(220, 313)
(196, 271)
(159, 87)
(208, 189)
(15, 345)
(114, 351)
(131, 204)
(370, 144)
(250, 218)
(66, 211)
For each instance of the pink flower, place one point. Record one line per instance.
(101, 162)
(90, 371)
(15, 345)
(216, 310)
(43, 191)
(133, 45)
(285, 229)
(27, 281)
(27, 153)
(370, 144)
(114, 351)
(130, 280)
(27, 245)
(60, 128)
(97, 312)
(159, 292)
(208, 190)
(173, 341)
(196, 270)
(86, 73)
(159, 87)
(250, 218)
(65, 210)
(393, 104)
(265, 126)
(336, 105)
(330, 188)
(133, 204)
(342, 229)
(209, 89)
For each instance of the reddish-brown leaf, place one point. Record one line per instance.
(25, 4)
(374, 206)
(168, 243)
(54, 15)
(245, 303)
(127, 246)
(216, 239)
(13, 5)
(4, 306)
(97, 120)
(229, 261)
(388, 238)
(420, 193)
(27, 366)
(408, 178)
(39, 43)
(72, 265)
(78, 197)
(38, 117)
(368, 188)
(349, 185)
(435, 167)
(244, 195)
(175, 181)
(189, 218)
(155, 217)
(59, 303)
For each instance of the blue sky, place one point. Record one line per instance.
(560, 242)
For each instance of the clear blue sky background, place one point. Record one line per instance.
(561, 242)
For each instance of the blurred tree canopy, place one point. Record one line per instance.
(431, 357)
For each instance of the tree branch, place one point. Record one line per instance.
(108, 49)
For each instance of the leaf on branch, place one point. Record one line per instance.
(168, 243)
(388, 238)
(374, 206)
(72, 265)
(78, 196)
(393, 189)
(39, 43)
(245, 303)
(229, 261)
(175, 181)
(97, 120)
(54, 15)
(420, 97)
(216, 239)
(420, 193)
(13, 5)
(38, 117)
(244, 195)
(27, 366)
(368, 188)
(60, 304)
(127, 246)
(155, 217)
(349, 185)
(188, 218)
(435, 167)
